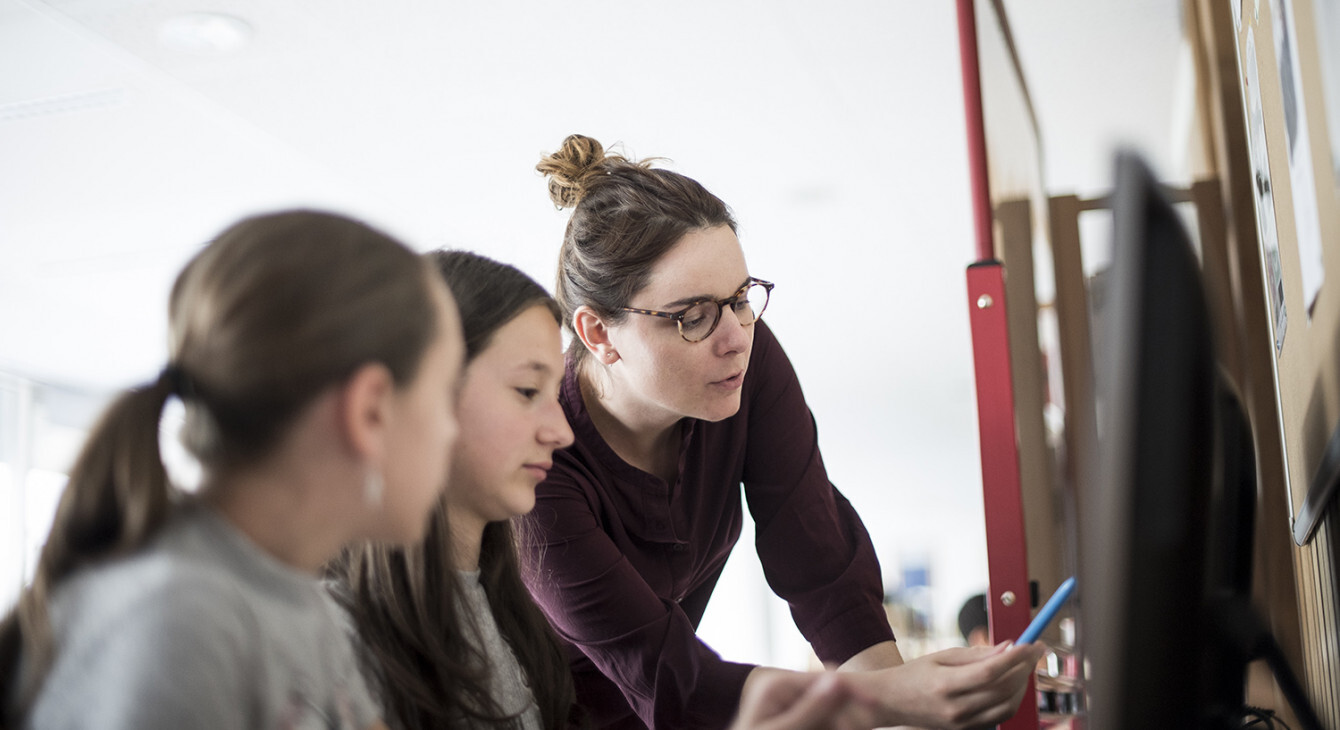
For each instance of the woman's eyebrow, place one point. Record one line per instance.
(701, 297)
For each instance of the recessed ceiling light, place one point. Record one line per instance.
(206, 33)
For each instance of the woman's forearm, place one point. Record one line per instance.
(883, 655)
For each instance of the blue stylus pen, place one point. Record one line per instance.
(1048, 612)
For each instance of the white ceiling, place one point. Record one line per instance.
(834, 130)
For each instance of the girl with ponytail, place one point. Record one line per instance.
(316, 359)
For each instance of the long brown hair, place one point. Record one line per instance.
(626, 215)
(404, 601)
(276, 309)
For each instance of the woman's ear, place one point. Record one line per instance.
(365, 410)
(594, 333)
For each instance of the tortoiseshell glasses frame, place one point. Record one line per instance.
(699, 320)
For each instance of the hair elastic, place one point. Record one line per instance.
(180, 383)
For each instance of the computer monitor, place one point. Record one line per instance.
(1143, 536)
(1166, 538)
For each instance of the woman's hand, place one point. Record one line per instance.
(779, 700)
(953, 689)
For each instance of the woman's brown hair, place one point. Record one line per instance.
(275, 310)
(415, 639)
(626, 215)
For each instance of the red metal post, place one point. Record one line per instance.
(1008, 601)
(1006, 551)
(972, 111)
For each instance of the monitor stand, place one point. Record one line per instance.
(1237, 626)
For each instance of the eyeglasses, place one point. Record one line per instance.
(699, 320)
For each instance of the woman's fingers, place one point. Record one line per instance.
(962, 655)
(819, 701)
(969, 687)
(1004, 666)
(997, 697)
(817, 705)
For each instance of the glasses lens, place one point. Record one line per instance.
(699, 320)
(749, 307)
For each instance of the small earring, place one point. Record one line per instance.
(611, 355)
(373, 487)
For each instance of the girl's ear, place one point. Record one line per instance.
(365, 410)
(594, 333)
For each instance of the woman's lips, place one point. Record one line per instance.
(730, 383)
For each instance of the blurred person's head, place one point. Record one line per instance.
(280, 321)
(973, 623)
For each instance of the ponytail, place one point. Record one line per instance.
(261, 321)
(117, 496)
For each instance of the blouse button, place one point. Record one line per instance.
(679, 547)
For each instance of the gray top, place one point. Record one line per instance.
(202, 629)
(508, 682)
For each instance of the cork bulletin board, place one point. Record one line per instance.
(1285, 52)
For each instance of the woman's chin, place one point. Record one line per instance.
(721, 408)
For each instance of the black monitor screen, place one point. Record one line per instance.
(1143, 531)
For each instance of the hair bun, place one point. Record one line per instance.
(571, 169)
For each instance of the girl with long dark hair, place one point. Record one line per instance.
(449, 636)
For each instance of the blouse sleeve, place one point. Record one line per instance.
(596, 600)
(815, 551)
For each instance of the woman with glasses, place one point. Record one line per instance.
(447, 634)
(677, 395)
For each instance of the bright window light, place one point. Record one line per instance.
(43, 489)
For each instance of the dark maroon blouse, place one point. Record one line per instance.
(625, 563)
